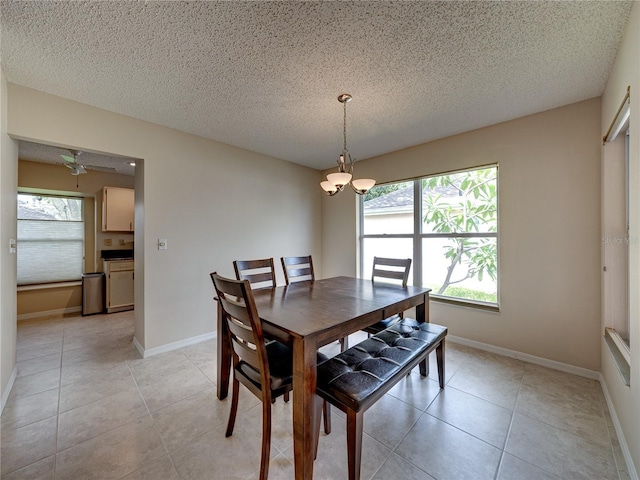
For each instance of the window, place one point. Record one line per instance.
(616, 218)
(448, 225)
(50, 239)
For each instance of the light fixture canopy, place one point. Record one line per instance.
(336, 182)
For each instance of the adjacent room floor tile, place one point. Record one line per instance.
(26, 445)
(187, 419)
(24, 410)
(36, 383)
(41, 470)
(83, 423)
(114, 454)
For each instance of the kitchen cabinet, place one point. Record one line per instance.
(119, 289)
(117, 209)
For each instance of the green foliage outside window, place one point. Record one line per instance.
(464, 202)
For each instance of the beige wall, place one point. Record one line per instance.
(8, 182)
(53, 301)
(549, 243)
(626, 72)
(213, 202)
(42, 176)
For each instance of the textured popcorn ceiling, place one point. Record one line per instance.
(265, 76)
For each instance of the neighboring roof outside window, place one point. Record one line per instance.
(401, 200)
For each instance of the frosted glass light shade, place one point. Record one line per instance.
(328, 186)
(339, 179)
(361, 185)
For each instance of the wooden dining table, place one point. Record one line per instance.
(306, 316)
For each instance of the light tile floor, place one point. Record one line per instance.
(86, 406)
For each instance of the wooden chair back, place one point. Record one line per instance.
(297, 269)
(245, 330)
(260, 273)
(392, 268)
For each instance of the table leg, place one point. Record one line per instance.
(422, 315)
(422, 310)
(224, 355)
(304, 407)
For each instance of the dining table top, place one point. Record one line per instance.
(311, 307)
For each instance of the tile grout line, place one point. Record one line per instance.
(422, 414)
(153, 422)
(55, 454)
(506, 438)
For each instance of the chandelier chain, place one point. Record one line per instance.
(344, 127)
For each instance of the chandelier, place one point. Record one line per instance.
(336, 182)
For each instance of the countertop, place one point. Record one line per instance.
(114, 255)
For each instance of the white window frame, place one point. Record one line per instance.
(417, 236)
(52, 281)
(619, 342)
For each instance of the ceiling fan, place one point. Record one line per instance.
(78, 169)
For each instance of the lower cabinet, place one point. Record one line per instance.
(119, 290)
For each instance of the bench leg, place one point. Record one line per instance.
(440, 359)
(424, 366)
(326, 413)
(354, 443)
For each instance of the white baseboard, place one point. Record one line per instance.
(172, 346)
(50, 313)
(7, 391)
(563, 367)
(139, 347)
(631, 469)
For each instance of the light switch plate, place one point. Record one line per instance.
(162, 244)
(12, 245)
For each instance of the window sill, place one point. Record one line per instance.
(621, 353)
(490, 307)
(44, 286)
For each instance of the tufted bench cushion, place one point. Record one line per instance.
(356, 378)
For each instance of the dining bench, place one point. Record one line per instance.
(356, 378)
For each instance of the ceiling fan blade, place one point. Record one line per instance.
(101, 169)
(68, 158)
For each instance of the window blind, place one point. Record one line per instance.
(51, 245)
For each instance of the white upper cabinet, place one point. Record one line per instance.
(117, 209)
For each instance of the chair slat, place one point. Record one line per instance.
(258, 277)
(389, 274)
(400, 271)
(297, 269)
(261, 271)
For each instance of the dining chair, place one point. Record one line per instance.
(297, 269)
(260, 273)
(395, 269)
(300, 269)
(264, 367)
